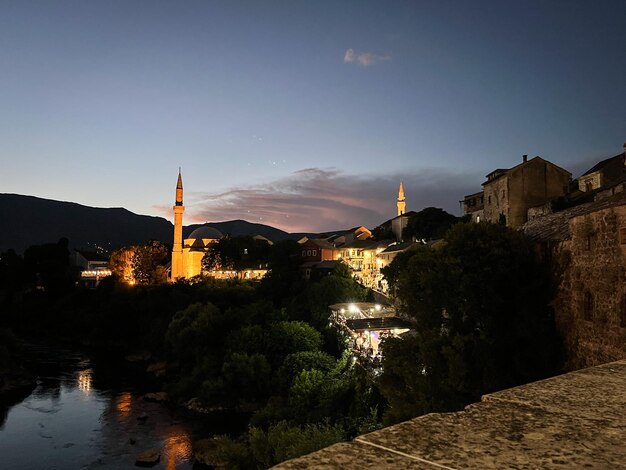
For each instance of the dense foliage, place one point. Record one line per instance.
(429, 224)
(264, 349)
(481, 303)
(237, 253)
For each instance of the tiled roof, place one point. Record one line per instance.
(323, 243)
(502, 171)
(598, 166)
(398, 247)
(556, 226)
(361, 244)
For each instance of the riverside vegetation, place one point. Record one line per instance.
(266, 349)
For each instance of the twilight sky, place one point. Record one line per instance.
(301, 114)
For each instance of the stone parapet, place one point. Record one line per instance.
(575, 420)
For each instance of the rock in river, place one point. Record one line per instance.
(148, 458)
(159, 397)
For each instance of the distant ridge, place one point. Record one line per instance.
(30, 220)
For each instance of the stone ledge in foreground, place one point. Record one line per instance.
(573, 420)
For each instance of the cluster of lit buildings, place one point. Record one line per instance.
(356, 247)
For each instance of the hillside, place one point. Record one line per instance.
(29, 220)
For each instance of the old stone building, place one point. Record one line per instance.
(604, 174)
(587, 246)
(509, 193)
(473, 205)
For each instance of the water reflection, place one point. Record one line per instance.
(81, 417)
(177, 447)
(124, 402)
(84, 380)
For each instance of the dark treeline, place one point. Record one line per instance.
(262, 348)
(480, 302)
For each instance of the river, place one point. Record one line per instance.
(88, 415)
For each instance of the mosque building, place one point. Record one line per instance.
(187, 254)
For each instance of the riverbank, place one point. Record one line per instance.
(87, 413)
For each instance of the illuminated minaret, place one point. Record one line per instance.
(177, 250)
(401, 200)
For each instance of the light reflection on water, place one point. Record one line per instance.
(177, 447)
(84, 380)
(71, 421)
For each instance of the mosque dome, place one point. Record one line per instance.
(206, 233)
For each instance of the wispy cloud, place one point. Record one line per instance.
(316, 199)
(364, 58)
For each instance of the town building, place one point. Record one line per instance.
(473, 205)
(94, 267)
(604, 174)
(508, 194)
(385, 257)
(361, 255)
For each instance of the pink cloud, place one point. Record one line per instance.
(317, 200)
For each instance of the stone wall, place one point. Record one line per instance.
(590, 306)
(496, 200)
(574, 420)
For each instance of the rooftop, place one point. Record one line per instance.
(556, 226)
(574, 420)
(601, 164)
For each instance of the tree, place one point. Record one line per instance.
(429, 224)
(121, 263)
(383, 232)
(481, 302)
(236, 253)
(212, 260)
(194, 331)
(148, 263)
(283, 441)
(288, 337)
(48, 266)
(295, 363)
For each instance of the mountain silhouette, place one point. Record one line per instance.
(29, 220)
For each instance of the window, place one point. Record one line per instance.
(588, 306)
(622, 235)
(308, 252)
(489, 200)
(588, 185)
(314, 252)
(303, 253)
(503, 194)
(622, 312)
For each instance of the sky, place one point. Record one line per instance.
(303, 115)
